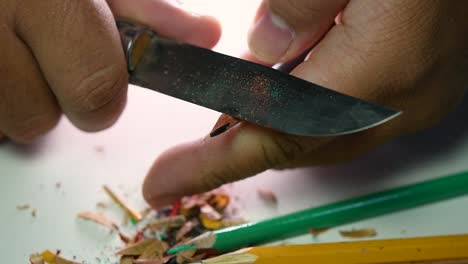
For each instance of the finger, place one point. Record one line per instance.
(2, 137)
(202, 165)
(284, 29)
(170, 20)
(383, 68)
(79, 52)
(346, 148)
(27, 107)
(248, 55)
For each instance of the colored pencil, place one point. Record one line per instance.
(436, 249)
(331, 215)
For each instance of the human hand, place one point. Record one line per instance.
(410, 55)
(66, 56)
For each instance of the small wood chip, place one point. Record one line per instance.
(136, 249)
(126, 260)
(101, 205)
(145, 212)
(316, 232)
(155, 249)
(359, 233)
(36, 259)
(23, 207)
(185, 255)
(170, 221)
(210, 212)
(267, 195)
(52, 258)
(232, 222)
(98, 218)
(122, 203)
(184, 230)
(149, 261)
(219, 201)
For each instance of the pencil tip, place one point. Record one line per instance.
(223, 124)
(218, 131)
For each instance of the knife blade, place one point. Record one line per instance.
(244, 90)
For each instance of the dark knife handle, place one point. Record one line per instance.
(135, 38)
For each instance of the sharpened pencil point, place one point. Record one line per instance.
(223, 124)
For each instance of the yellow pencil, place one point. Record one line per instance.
(452, 249)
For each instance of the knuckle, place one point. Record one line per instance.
(34, 126)
(98, 89)
(281, 149)
(214, 179)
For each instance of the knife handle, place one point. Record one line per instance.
(135, 39)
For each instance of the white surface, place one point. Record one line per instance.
(151, 123)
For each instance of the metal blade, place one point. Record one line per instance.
(252, 92)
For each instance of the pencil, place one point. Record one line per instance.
(436, 249)
(331, 215)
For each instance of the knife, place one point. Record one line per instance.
(244, 90)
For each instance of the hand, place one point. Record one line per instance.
(66, 56)
(410, 55)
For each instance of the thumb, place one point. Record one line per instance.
(284, 29)
(205, 164)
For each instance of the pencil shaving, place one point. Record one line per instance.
(23, 207)
(155, 249)
(267, 195)
(126, 260)
(205, 240)
(122, 203)
(99, 219)
(36, 259)
(136, 249)
(359, 233)
(184, 230)
(50, 258)
(232, 259)
(171, 221)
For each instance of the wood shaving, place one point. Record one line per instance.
(219, 201)
(267, 195)
(184, 230)
(232, 222)
(122, 203)
(36, 259)
(102, 205)
(136, 249)
(99, 219)
(49, 258)
(210, 212)
(185, 255)
(155, 249)
(149, 261)
(316, 232)
(170, 221)
(23, 207)
(145, 212)
(126, 260)
(168, 227)
(359, 233)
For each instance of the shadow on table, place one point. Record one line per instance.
(405, 153)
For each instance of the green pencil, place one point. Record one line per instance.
(335, 214)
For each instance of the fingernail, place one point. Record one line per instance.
(270, 37)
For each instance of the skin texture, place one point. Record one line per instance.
(410, 55)
(44, 73)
